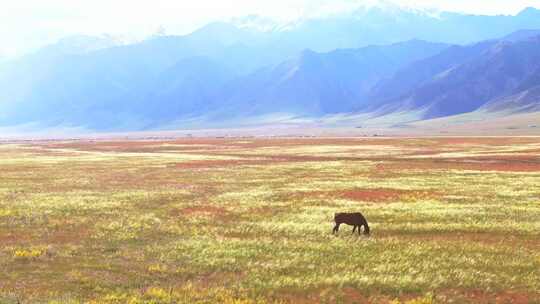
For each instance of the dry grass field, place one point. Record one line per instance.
(242, 220)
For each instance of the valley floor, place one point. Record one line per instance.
(243, 220)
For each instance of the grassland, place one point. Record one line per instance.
(454, 220)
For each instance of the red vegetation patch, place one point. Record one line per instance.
(504, 164)
(352, 295)
(483, 297)
(61, 235)
(385, 194)
(64, 236)
(203, 209)
(208, 164)
(373, 195)
(10, 238)
(377, 195)
(491, 141)
(252, 160)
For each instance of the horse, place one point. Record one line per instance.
(352, 219)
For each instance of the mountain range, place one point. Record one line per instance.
(376, 61)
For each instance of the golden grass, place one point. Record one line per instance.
(249, 221)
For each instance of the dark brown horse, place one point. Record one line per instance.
(352, 219)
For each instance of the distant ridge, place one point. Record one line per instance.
(463, 79)
(521, 35)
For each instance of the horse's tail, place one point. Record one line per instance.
(366, 228)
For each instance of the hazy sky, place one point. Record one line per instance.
(28, 24)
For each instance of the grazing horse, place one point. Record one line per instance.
(352, 219)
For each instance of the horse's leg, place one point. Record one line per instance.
(354, 229)
(336, 228)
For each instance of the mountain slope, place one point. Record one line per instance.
(450, 83)
(525, 101)
(424, 70)
(189, 88)
(98, 87)
(323, 83)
